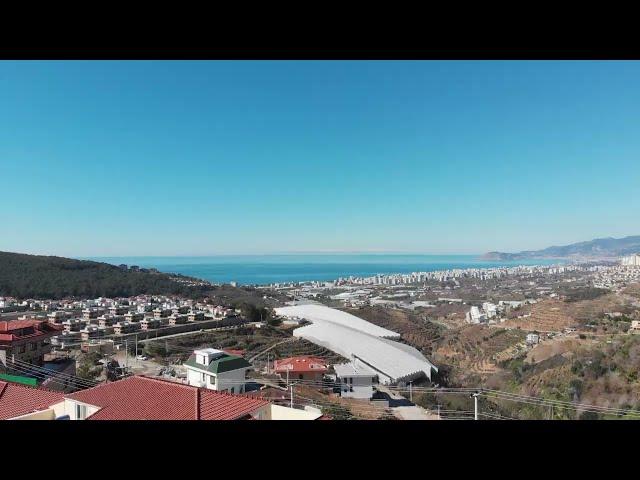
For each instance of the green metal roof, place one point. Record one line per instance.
(223, 364)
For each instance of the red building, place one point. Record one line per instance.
(26, 340)
(301, 368)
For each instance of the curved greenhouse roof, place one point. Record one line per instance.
(350, 336)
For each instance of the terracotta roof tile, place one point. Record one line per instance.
(143, 398)
(16, 399)
(300, 365)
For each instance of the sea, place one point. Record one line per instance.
(269, 269)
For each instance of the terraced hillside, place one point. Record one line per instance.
(592, 371)
(551, 315)
(546, 316)
(414, 328)
(476, 349)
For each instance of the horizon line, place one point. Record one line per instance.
(282, 254)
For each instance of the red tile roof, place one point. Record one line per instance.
(300, 365)
(16, 399)
(41, 327)
(144, 398)
(6, 326)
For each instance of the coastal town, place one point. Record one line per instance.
(381, 347)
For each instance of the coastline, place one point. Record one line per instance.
(261, 270)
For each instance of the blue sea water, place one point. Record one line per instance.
(266, 269)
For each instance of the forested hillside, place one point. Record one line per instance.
(35, 276)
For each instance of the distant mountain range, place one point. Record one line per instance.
(598, 248)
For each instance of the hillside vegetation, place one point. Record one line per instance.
(35, 276)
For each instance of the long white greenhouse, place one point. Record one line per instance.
(350, 336)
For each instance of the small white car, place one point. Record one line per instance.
(142, 357)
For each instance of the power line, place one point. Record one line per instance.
(53, 372)
(44, 377)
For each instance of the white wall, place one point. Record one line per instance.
(362, 387)
(229, 381)
(278, 412)
(194, 377)
(70, 409)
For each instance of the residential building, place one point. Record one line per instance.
(26, 340)
(133, 317)
(177, 319)
(125, 327)
(475, 316)
(301, 368)
(89, 313)
(490, 309)
(161, 313)
(150, 323)
(533, 338)
(118, 310)
(90, 332)
(105, 321)
(58, 316)
(18, 400)
(356, 379)
(73, 325)
(217, 370)
(140, 398)
(195, 316)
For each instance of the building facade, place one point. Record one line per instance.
(217, 370)
(26, 340)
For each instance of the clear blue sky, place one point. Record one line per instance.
(200, 158)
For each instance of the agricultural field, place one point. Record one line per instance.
(252, 340)
(415, 328)
(472, 352)
(545, 316)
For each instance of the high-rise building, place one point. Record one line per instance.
(631, 260)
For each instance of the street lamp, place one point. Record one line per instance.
(475, 404)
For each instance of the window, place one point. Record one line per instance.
(212, 380)
(21, 348)
(81, 411)
(203, 377)
(33, 346)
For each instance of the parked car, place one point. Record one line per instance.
(142, 357)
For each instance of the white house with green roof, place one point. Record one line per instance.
(217, 370)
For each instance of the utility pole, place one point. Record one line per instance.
(475, 403)
(136, 347)
(411, 392)
(438, 411)
(287, 375)
(291, 404)
(126, 354)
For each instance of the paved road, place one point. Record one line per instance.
(413, 413)
(405, 410)
(138, 367)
